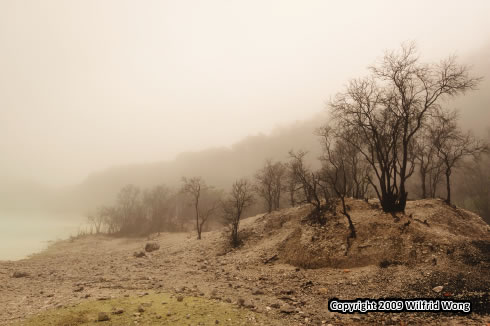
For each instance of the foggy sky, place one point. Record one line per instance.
(85, 85)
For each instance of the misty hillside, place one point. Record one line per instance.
(218, 166)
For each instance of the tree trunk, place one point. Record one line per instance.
(422, 179)
(351, 225)
(448, 186)
(197, 222)
(234, 235)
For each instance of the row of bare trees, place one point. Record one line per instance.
(158, 209)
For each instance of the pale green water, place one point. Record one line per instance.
(22, 235)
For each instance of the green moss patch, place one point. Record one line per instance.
(151, 309)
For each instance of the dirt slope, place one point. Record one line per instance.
(286, 269)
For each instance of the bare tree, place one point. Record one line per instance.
(129, 210)
(197, 189)
(476, 186)
(387, 110)
(358, 169)
(453, 145)
(239, 199)
(111, 218)
(156, 202)
(430, 166)
(312, 186)
(360, 173)
(291, 186)
(301, 176)
(269, 184)
(340, 169)
(97, 219)
(294, 187)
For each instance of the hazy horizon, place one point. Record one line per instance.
(89, 85)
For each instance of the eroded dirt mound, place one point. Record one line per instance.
(430, 232)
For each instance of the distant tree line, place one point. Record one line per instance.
(140, 212)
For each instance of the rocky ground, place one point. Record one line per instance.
(287, 269)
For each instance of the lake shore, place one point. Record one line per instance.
(25, 234)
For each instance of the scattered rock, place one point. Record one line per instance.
(141, 309)
(287, 291)
(180, 298)
(323, 291)
(103, 316)
(307, 284)
(438, 289)
(19, 274)
(78, 289)
(139, 254)
(152, 246)
(287, 309)
(257, 292)
(118, 311)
